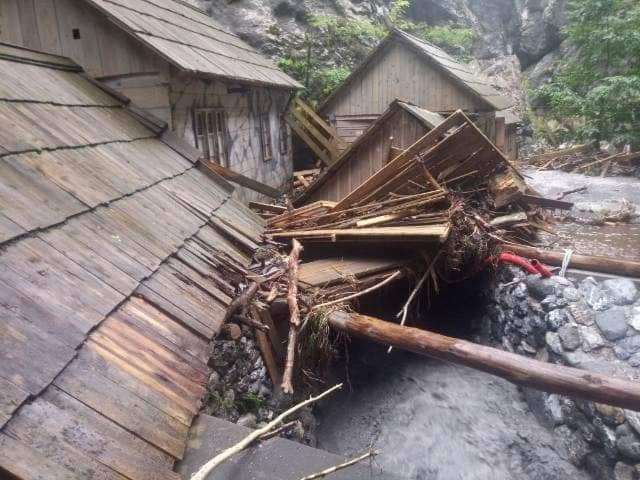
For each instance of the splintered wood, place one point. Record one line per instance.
(409, 200)
(584, 159)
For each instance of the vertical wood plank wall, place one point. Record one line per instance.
(400, 73)
(242, 111)
(102, 49)
(372, 155)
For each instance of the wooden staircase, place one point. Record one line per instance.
(321, 137)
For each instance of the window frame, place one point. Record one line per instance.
(210, 133)
(266, 142)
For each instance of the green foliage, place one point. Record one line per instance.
(335, 45)
(600, 85)
(249, 403)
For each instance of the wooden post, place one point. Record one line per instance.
(609, 265)
(515, 368)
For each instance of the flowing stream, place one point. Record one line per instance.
(436, 421)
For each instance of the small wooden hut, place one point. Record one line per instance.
(174, 61)
(397, 128)
(403, 66)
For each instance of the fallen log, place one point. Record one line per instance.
(608, 265)
(241, 302)
(510, 366)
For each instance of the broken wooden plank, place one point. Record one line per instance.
(242, 180)
(545, 202)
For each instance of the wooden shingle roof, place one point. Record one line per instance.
(192, 41)
(117, 259)
(456, 71)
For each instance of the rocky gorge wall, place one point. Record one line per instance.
(518, 43)
(584, 324)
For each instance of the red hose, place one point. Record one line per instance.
(542, 269)
(505, 257)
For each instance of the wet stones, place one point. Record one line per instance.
(613, 323)
(622, 290)
(588, 325)
(570, 337)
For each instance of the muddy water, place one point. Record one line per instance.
(435, 421)
(602, 196)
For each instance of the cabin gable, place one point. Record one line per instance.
(398, 71)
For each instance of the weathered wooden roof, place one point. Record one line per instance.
(114, 276)
(192, 41)
(427, 118)
(458, 72)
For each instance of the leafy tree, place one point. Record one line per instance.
(599, 87)
(334, 45)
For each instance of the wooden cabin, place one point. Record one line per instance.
(403, 66)
(396, 129)
(174, 61)
(119, 258)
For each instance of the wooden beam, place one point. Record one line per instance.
(267, 207)
(322, 154)
(510, 366)
(608, 265)
(545, 202)
(243, 181)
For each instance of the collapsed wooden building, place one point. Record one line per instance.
(401, 125)
(174, 61)
(118, 259)
(405, 67)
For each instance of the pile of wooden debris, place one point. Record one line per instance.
(586, 159)
(446, 204)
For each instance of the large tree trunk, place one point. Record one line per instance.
(515, 368)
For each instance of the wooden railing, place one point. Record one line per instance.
(321, 137)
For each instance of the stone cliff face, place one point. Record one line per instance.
(516, 40)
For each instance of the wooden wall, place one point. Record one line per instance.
(372, 155)
(102, 49)
(242, 110)
(400, 73)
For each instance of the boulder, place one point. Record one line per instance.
(539, 287)
(634, 318)
(570, 336)
(623, 471)
(552, 340)
(628, 443)
(612, 323)
(622, 290)
(556, 319)
(591, 338)
(595, 296)
(627, 347)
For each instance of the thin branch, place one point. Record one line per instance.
(223, 456)
(405, 309)
(381, 284)
(294, 317)
(329, 471)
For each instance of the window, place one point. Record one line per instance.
(284, 137)
(210, 127)
(265, 137)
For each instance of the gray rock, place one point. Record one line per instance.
(553, 409)
(571, 294)
(613, 323)
(214, 381)
(520, 292)
(562, 281)
(627, 347)
(248, 420)
(634, 420)
(570, 336)
(634, 318)
(552, 340)
(622, 290)
(634, 361)
(571, 444)
(595, 296)
(577, 359)
(628, 443)
(582, 313)
(539, 287)
(607, 436)
(556, 318)
(591, 338)
(623, 471)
